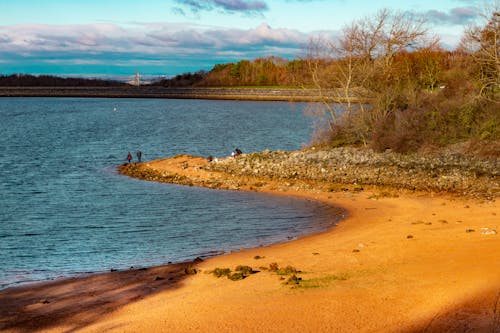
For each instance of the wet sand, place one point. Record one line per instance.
(399, 262)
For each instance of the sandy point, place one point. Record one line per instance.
(399, 262)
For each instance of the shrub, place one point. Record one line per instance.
(236, 276)
(245, 270)
(293, 280)
(287, 270)
(273, 267)
(190, 270)
(219, 272)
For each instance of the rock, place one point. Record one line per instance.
(488, 231)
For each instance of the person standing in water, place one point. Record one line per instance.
(139, 155)
(129, 157)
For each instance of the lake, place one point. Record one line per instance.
(65, 211)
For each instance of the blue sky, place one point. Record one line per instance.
(168, 37)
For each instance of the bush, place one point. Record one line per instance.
(287, 270)
(219, 272)
(293, 280)
(273, 267)
(236, 276)
(245, 270)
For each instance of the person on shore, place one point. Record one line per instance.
(236, 152)
(139, 155)
(129, 157)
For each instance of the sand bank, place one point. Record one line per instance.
(399, 262)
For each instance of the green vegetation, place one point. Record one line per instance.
(240, 273)
(287, 270)
(219, 272)
(323, 281)
(190, 270)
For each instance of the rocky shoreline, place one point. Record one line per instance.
(344, 169)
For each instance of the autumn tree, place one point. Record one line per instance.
(358, 67)
(483, 43)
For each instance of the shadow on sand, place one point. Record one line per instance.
(74, 303)
(470, 315)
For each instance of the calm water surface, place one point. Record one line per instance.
(64, 210)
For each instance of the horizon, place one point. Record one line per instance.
(114, 38)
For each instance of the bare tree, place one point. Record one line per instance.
(483, 42)
(345, 69)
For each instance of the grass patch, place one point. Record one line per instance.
(384, 194)
(293, 280)
(245, 270)
(323, 281)
(240, 273)
(190, 270)
(220, 272)
(236, 276)
(273, 267)
(288, 270)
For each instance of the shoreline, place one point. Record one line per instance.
(189, 261)
(366, 274)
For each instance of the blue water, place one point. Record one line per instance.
(64, 210)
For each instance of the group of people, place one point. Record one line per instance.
(234, 154)
(138, 154)
(237, 152)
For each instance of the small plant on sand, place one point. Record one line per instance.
(240, 273)
(293, 280)
(236, 276)
(273, 267)
(220, 272)
(190, 270)
(384, 194)
(258, 257)
(290, 271)
(323, 281)
(245, 270)
(287, 270)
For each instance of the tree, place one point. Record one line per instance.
(358, 66)
(483, 42)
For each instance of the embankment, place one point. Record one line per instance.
(258, 94)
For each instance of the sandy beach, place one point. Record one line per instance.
(399, 262)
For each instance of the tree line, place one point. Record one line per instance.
(27, 80)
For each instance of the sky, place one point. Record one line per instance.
(167, 37)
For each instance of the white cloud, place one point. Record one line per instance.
(153, 43)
